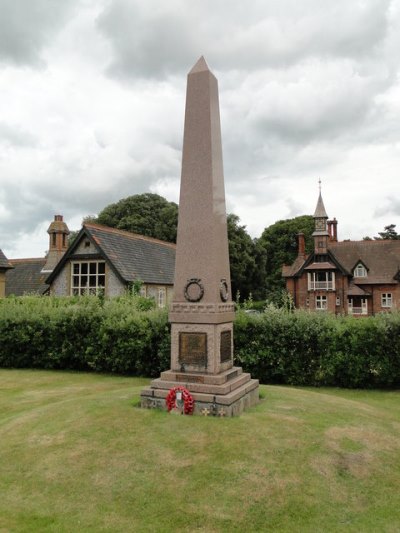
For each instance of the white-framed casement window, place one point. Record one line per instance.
(386, 299)
(321, 280)
(360, 271)
(321, 303)
(87, 277)
(161, 297)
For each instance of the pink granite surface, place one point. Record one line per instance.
(202, 243)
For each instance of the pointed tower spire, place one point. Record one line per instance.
(320, 211)
(321, 225)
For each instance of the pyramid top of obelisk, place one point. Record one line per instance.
(200, 66)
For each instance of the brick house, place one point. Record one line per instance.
(109, 260)
(350, 277)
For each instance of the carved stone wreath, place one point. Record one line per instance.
(223, 290)
(194, 290)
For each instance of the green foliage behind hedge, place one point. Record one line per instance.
(122, 335)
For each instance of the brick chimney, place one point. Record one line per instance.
(301, 245)
(58, 243)
(334, 228)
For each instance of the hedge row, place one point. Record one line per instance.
(117, 335)
(303, 348)
(84, 334)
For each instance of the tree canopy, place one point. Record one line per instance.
(389, 232)
(243, 258)
(278, 246)
(147, 214)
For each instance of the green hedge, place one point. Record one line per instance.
(84, 334)
(318, 349)
(123, 335)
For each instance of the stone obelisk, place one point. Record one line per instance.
(202, 311)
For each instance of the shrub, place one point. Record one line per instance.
(127, 335)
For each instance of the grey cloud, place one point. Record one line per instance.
(145, 44)
(16, 136)
(392, 207)
(27, 26)
(159, 39)
(37, 205)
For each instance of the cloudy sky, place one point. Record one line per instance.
(92, 102)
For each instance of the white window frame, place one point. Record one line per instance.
(315, 284)
(386, 299)
(360, 271)
(321, 302)
(91, 282)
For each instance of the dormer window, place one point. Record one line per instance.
(360, 271)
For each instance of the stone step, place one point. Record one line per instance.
(204, 388)
(203, 397)
(201, 377)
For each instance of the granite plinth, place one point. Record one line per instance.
(231, 391)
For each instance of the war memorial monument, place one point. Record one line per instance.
(202, 311)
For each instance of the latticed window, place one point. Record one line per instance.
(321, 303)
(88, 277)
(386, 299)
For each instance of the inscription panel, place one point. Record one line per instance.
(193, 349)
(226, 346)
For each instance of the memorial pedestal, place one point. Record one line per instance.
(224, 394)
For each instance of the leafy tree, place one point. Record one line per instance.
(243, 259)
(147, 214)
(278, 244)
(388, 233)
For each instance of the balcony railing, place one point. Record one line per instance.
(358, 310)
(321, 285)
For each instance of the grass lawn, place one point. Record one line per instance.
(77, 454)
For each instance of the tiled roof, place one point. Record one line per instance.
(25, 277)
(290, 270)
(4, 262)
(355, 290)
(134, 257)
(321, 266)
(381, 257)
